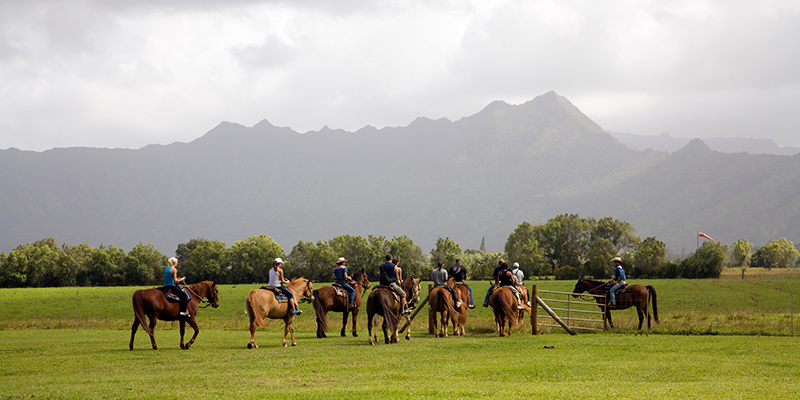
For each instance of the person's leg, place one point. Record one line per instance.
(488, 293)
(293, 306)
(351, 292)
(456, 300)
(471, 300)
(611, 296)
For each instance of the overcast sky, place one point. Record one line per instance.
(116, 73)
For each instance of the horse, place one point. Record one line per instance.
(633, 295)
(382, 301)
(463, 294)
(153, 304)
(441, 301)
(261, 303)
(325, 299)
(504, 305)
(523, 297)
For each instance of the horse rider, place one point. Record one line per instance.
(507, 279)
(619, 280)
(171, 281)
(276, 281)
(392, 276)
(494, 279)
(439, 278)
(459, 274)
(342, 279)
(520, 276)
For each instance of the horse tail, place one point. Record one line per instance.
(322, 322)
(652, 292)
(138, 311)
(448, 305)
(254, 309)
(385, 309)
(509, 306)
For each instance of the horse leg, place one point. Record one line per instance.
(608, 317)
(291, 332)
(444, 322)
(408, 330)
(153, 320)
(193, 324)
(369, 328)
(641, 316)
(355, 319)
(133, 330)
(253, 326)
(345, 314)
(183, 330)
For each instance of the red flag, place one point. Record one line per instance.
(705, 236)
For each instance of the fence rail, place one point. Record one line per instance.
(568, 317)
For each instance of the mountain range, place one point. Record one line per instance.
(477, 177)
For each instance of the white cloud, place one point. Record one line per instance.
(126, 74)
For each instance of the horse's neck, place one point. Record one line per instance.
(296, 287)
(199, 289)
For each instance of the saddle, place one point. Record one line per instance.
(171, 296)
(396, 297)
(279, 296)
(340, 291)
(622, 289)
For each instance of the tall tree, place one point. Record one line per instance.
(780, 253)
(251, 259)
(649, 259)
(565, 239)
(740, 253)
(446, 251)
(522, 247)
(621, 234)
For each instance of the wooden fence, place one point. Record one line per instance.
(569, 313)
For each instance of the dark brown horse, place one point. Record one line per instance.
(441, 302)
(153, 304)
(326, 299)
(383, 302)
(504, 305)
(261, 303)
(631, 296)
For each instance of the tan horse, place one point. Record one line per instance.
(504, 305)
(463, 294)
(440, 301)
(382, 301)
(524, 299)
(153, 304)
(261, 303)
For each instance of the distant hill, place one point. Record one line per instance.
(665, 142)
(479, 176)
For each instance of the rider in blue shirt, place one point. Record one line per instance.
(171, 281)
(341, 278)
(619, 280)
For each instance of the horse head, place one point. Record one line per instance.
(411, 287)
(207, 289)
(213, 295)
(304, 288)
(580, 287)
(364, 280)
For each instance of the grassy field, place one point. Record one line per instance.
(726, 338)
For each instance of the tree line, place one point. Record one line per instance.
(565, 247)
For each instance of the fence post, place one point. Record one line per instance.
(534, 310)
(431, 315)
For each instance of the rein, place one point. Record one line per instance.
(200, 298)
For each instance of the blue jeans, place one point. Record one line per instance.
(350, 291)
(286, 292)
(488, 293)
(611, 296)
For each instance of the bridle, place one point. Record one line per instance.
(201, 299)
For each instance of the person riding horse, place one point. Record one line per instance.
(504, 277)
(459, 274)
(342, 279)
(276, 281)
(171, 281)
(619, 280)
(439, 278)
(392, 276)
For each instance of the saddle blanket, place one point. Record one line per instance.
(171, 296)
(340, 291)
(279, 296)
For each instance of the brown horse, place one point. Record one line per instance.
(524, 299)
(633, 295)
(153, 304)
(261, 303)
(441, 301)
(504, 305)
(382, 301)
(463, 294)
(325, 299)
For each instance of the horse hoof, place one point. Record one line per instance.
(343, 334)
(355, 334)
(294, 344)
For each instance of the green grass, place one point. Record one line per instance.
(711, 344)
(97, 364)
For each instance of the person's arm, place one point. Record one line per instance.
(398, 274)
(175, 275)
(280, 273)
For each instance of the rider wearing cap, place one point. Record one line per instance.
(619, 280)
(276, 280)
(341, 278)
